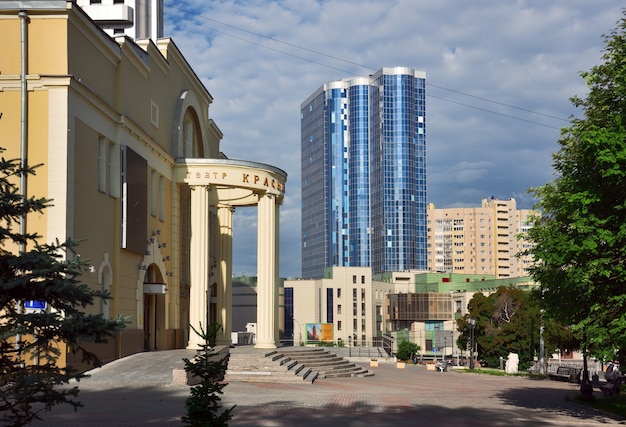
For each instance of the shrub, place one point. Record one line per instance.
(406, 349)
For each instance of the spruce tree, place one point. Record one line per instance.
(204, 404)
(30, 377)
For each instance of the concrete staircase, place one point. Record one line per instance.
(295, 364)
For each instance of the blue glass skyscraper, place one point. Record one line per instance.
(363, 147)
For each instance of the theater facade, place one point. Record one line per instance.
(133, 164)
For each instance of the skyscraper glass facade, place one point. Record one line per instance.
(363, 147)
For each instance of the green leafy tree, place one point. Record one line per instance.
(507, 321)
(406, 350)
(580, 237)
(204, 404)
(29, 340)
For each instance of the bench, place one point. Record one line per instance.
(612, 389)
(566, 373)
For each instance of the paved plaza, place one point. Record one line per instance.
(138, 391)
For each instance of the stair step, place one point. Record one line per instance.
(290, 365)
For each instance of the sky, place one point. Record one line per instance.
(499, 78)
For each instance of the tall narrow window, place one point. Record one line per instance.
(113, 170)
(162, 198)
(154, 112)
(329, 305)
(103, 164)
(191, 138)
(153, 192)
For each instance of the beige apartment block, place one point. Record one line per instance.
(132, 161)
(479, 240)
(347, 298)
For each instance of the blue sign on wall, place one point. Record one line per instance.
(35, 305)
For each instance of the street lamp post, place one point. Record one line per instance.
(349, 345)
(586, 389)
(542, 366)
(472, 325)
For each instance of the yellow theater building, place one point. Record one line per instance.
(133, 164)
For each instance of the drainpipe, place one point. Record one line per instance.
(23, 15)
(24, 114)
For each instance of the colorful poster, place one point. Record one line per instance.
(316, 332)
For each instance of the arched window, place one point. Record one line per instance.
(192, 137)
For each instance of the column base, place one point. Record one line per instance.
(265, 345)
(193, 345)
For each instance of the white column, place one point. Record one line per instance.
(277, 271)
(267, 295)
(198, 263)
(225, 279)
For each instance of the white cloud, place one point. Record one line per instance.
(523, 53)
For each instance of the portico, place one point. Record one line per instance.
(218, 186)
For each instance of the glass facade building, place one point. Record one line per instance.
(363, 148)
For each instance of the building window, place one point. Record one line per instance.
(103, 164)
(162, 198)
(354, 279)
(338, 292)
(338, 308)
(154, 191)
(154, 114)
(288, 300)
(191, 138)
(329, 305)
(362, 280)
(339, 325)
(108, 160)
(113, 164)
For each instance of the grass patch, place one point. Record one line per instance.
(613, 405)
(498, 373)
(483, 371)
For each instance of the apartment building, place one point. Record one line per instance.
(479, 240)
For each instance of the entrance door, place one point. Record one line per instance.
(153, 309)
(149, 322)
